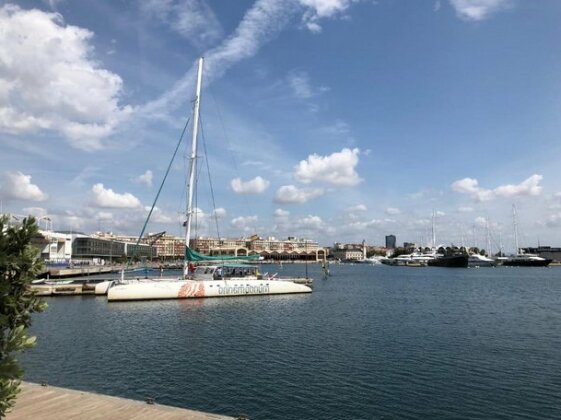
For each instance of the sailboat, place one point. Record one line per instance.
(217, 280)
(521, 259)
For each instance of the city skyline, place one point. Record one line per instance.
(334, 120)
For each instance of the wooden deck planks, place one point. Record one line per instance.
(54, 403)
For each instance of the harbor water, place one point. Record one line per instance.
(370, 342)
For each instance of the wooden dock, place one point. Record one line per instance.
(52, 403)
(63, 289)
(65, 272)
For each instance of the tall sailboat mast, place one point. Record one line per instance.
(433, 230)
(193, 158)
(488, 236)
(515, 225)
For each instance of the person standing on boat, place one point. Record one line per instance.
(189, 270)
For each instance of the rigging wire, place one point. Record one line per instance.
(135, 249)
(229, 146)
(210, 182)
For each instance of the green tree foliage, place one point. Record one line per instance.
(19, 265)
(399, 251)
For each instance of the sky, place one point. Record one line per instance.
(333, 120)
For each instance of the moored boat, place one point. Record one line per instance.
(219, 280)
(476, 260)
(522, 259)
(211, 281)
(451, 261)
(526, 260)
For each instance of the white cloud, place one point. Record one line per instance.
(145, 178)
(339, 128)
(337, 168)
(310, 222)
(18, 186)
(261, 23)
(437, 5)
(53, 3)
(392, 211)
(290, 194)
(554, 220)
(107, 198)
(245, 223)
(321, 9)
(35, 211)
(465, 209)
(105, 216)
(50, 81)
(299, 83)
(255, 186)
(476, 10)
(480, 221)
(529, 187)
(192, 19)
(470, 186)
(466, 185)
(360, 226)
(357, 208)
(220, 213)
(159, 216)
(280, 213)
(70, 220)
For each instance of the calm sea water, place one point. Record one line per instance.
(368, 343)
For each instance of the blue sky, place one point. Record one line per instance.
(335, 120)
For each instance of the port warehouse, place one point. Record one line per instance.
(107, 248)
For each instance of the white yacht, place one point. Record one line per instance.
(415, 259)
(476, 260)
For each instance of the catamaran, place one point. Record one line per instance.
(217, 280)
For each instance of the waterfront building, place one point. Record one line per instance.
(220, 246)
(115, 237)
(55, 247)
(377, 250)
(270, 248)
(348, 252)
(390, 241)
(107, 250)
(168, 247)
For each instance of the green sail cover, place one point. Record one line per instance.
(191, 255)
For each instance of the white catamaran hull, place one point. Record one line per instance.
(185, 289)
(102, 287)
